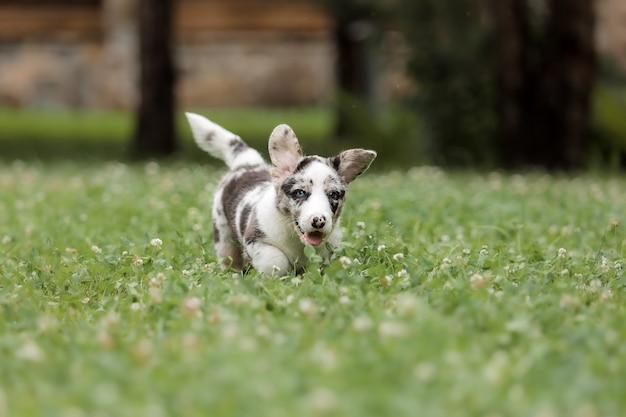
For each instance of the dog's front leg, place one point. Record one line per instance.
(268, 259)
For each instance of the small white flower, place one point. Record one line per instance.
(191, 306)
(137, 260)
(344, 299)
(398, 256)
(617, 265)
(466, 251)
(135, 306)
(403, 273)
(306, 307)
(345, 262)
(484, 251)
(95, 249)
(477, 281)
(381, 248)
(604, 265)
(362, 323)
(386, 280)
(156, 243)
(565, 272)
(561, 253)
(360, 225)
(296, 281)
(30, 351)
(6, 240)
(392, 329)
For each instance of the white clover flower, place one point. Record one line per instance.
(381, 248)
(95, 249)
(191, 306)
(306, 306)
(6, 240)
(135, 306)
(386, 280)
(565, 272)
(466, 251)
(360, 225)
(561, 253)
(398, 256)
(30, 351)
(137, 260)
(403, 273)
(362, 323)
(617, 265)
(484, 251)
(344, 299)
(604, 265)
(345, 262)
(156, 243)
(392, 329)
(477, 281)
(296, 281)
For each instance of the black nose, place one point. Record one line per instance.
(318, 222)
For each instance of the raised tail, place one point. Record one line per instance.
(221, 143)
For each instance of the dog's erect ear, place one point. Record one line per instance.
(285, 151)
(352, 163)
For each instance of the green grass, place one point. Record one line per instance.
(99, 135)
(456, 294)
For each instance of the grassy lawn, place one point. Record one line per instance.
(107, 134)
(456, 294)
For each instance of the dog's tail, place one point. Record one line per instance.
(221, 143)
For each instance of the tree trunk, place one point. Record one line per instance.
(545, 87)
(155, 117)
(354, 72)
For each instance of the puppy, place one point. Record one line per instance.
(264, 215)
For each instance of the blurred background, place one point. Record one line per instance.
(463, 83)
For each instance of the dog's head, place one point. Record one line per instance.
(312, 189)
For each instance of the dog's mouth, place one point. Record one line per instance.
(314, 238)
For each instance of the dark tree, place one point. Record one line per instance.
(357, 29)
(155, 117)
(545, 70)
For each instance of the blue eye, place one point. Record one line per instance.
(298, 193)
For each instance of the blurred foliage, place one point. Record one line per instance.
(451, 63)
(608, 148)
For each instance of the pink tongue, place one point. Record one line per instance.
(313, 238)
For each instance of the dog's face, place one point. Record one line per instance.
(311, 190)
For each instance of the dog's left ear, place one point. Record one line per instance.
(352, 163)
(285, 151)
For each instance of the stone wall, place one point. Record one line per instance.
(264, 58)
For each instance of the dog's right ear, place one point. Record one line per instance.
(285, 151)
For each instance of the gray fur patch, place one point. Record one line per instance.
(237, 145)
(216, 233)
(253, 232)
(235, 189)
